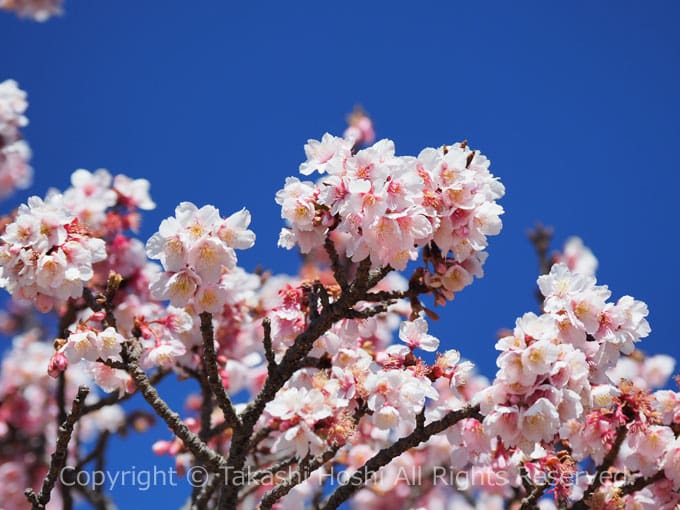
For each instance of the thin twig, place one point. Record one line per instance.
(532, 498)
(304, 472)
(199, 448)
(386, 455)
(58, 459)
(602, 468)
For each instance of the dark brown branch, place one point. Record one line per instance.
(97, 451)
(112, 285)
(214, 379)
(338, 271)
(98, 500)
(258, 437)
(642, 482)
(602, 468)
(532, 498)
(304, 472)
(272, 470)
(58, 459)
(200, 449)
(540, 238)
(267, 341)
(206, 492)
(386, 455)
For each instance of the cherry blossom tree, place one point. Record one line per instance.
(318, 388)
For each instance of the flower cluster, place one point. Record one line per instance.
(548, 366)
(38, 10)
(86, 343)
(47, 254)
(378, 205)
(15, 172)
(104, 204)
(196, 248)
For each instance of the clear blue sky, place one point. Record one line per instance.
(576, 104)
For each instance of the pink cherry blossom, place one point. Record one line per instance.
(15, 154)
(38, 10)
(414, 334)
(196, 248)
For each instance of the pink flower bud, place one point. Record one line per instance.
(58, 364)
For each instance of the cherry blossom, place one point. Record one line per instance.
(47, 255)
(15, 154)
(38, 10)
(385, 207)
(196, 248)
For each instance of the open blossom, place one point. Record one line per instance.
(105, 204)
(38, 10)
(196, 248)
(90, 195)
(133, 193)
(89, 344)
(386, 207)
(671, 463)
(396, 396)
(539, 422)
(47, 256)
(578, 257)
(414, 334)
(163, 354)
(13, 104)
(15, 171)
(299, 410)
(645, 451)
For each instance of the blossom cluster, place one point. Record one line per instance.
(51, 248)
(548, 366)
(107, 204)
(47, 255)
(38, 10)
(375, 204)
(15, 171)
(196, 248)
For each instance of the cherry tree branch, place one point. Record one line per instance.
(642, 482)
(58, 459)
(529, 502)
(206, 492)
(421, 434)
(305, 471)
(608, 461)
(364, 280)
(214, 380)
(200, 449)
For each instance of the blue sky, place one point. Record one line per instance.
(576, 104)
